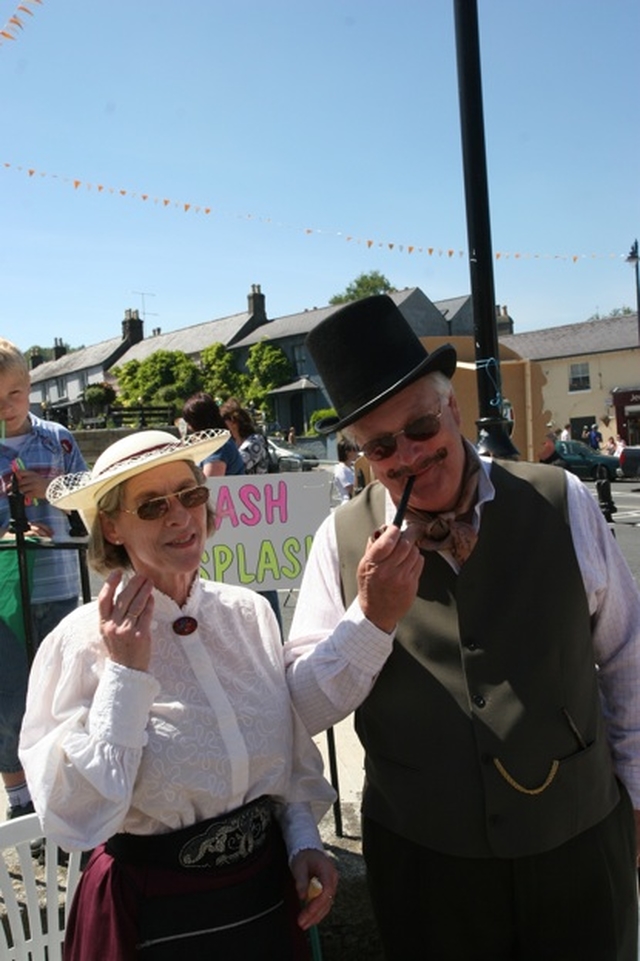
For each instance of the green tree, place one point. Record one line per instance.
(268, 367)
(616, 312)
(97, 398)
(220, 376)
(365, 285)
(165, 377)
(46, 353)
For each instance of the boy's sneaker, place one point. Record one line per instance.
(19, 811)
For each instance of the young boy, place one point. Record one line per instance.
(34, 451)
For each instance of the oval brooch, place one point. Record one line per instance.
(185, 625)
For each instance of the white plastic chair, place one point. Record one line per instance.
(29, 931)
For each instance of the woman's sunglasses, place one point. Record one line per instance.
(423, 428)
(157, 507)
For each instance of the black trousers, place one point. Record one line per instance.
(578, 902)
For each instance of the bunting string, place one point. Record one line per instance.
(16, 21)
(206, 210)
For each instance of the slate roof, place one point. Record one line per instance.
(86, 358)
(450, 307)
(589, 337)
(293, 325)
(302, 383)
(190, 340)
(296, 325)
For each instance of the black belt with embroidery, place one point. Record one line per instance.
(213, 844)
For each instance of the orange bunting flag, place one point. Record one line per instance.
(189, 207)
(14, 21)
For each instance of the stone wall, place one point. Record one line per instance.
(93, 442)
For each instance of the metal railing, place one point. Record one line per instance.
(22, 545)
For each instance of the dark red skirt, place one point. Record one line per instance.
(126, 912)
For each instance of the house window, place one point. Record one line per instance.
(61, 386)
(300, 359)
(579, 377)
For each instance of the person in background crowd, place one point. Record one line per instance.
(32, 452)
(201, 412)
(594, 439)
(291, 436)
(343, 473)
(620, 445)
(251, 444)
(565, 433)
(160, 732)
(502, 755)
(549, 453)
(253, 450)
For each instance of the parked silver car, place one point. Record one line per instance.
(285, 458)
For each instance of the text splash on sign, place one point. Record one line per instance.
(265, 525)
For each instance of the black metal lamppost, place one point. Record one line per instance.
(632, 258)
(493, 437)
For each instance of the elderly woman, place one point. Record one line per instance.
(159, 731)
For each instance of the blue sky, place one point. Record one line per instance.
(297, 144)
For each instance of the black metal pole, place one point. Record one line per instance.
(333, 768)
(492, 425)
(19, 525)
(633, 259)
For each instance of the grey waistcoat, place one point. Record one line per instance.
(483, 733)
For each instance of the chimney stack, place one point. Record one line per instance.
(256, 302)
(35, 358)
(59, 350)
(132, 327)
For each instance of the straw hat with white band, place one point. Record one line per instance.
(125, 458)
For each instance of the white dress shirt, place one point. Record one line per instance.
(349, 651)
(209, 727)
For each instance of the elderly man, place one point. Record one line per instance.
(501, 743)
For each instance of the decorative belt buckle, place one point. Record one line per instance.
(233, 840)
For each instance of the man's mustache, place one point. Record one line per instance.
(435, 458)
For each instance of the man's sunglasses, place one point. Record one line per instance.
(423, 428)
(157, 507)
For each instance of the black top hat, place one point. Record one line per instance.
(365, 353)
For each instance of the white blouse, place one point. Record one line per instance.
(208, 728)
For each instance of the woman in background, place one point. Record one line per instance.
(343, 472)
(251, 444)
(201, 412)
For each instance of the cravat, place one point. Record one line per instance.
(452, 530)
